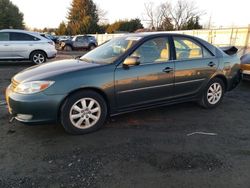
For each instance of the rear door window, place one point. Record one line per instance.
(189, 49)
(4, 36)
(22, 37)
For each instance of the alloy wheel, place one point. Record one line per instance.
(85, 113)
(38, 58)
(214, 93)
(68, 48)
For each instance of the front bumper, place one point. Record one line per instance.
(245, 71)
(246, 74)
(35, 108)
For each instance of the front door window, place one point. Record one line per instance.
(153, 51)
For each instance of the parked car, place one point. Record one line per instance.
(25, 45)
(80, 42)
(125, 74)
(245, 66)
(63, 38)
(50, 37)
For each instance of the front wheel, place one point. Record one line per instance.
(213, 94)
(92, 47)
(83, 112)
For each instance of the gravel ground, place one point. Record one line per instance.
(150, 148)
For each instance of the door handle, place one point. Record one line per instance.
(211, 64)
(168, 70)
(6, 44)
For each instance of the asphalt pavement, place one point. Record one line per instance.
(175, 146)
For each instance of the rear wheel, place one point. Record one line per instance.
(213, 93)
(83, 112)
(68, 48)
(38, 57)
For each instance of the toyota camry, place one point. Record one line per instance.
(125, 74)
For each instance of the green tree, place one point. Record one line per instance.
(83, 17)
(62, 29)
(125, 26)
(166, 25)
(45, 30)
(192, 23)
(10, 16)
(114, 27)
(103, 28)
(133, 25)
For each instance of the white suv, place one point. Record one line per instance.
(25, 45)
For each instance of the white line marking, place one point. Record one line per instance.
(203, 133)
(3, 103)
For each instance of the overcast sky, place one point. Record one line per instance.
(49, 13)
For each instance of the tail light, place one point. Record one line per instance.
(52, 43)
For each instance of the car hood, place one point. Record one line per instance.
(47, 70)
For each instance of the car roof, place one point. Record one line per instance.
(84, 36)
(209, 46)
(159, 34)
(36, 34)
(146, 34)
(19, 31)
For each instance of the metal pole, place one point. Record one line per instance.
(231, 37)
(247, 40)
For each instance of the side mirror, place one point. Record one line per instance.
(131, 61)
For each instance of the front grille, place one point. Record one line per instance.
(14, 84)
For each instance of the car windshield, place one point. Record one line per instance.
(110, 51)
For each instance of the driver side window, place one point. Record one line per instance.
(153, 51)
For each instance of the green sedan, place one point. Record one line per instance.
(125, 74)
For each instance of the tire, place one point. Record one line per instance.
(67, 48)
(92, 47)
(83, 112)
(213, 94)
(38, 57)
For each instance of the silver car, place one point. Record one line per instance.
(25, 45)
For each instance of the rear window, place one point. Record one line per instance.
(91, 38)
(22, 37)
(4, 37)
(81, 39)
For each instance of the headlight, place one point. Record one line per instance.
(32, 87)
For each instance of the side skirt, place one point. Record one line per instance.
(155, 105)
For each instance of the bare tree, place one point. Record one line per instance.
(102, 15)
(150, 14)
(165, 20)
(182, 12)
(167, 16)
(156, 15)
